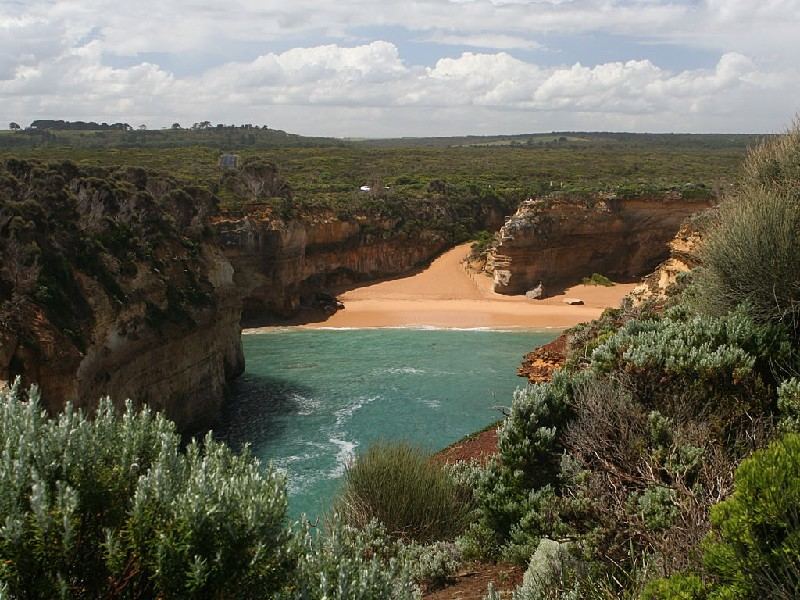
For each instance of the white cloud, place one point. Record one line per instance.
(55, 62)
(497, 41)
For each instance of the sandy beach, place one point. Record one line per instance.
(447, 294)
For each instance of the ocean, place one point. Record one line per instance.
(311, 400)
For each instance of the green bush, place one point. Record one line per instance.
(112, 505)
(677, 587)
(686, 361)
(400, 487)
(516, 499)
(754, 548)
(484, 241)
(775, 163)
(752, 253)
(434, 564)
(597, 279)
(752, 256)
(789, 405)
(344, 563)
(528, 437)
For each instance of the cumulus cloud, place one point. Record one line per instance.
(100, 60)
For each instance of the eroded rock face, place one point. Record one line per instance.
(281, 266)
(561, 239)
(114, 285)
(683, 257)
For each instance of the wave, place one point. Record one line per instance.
(344, 456)
(346, 413)
(401, 371)
(305, 405)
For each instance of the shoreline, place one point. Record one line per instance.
(449, 295)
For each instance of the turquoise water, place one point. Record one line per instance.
(310, 400)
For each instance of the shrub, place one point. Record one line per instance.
(528, 437)
(691, 361)
(434, 564)
(754, 549)
(752, 256)
(656, 506)
(752, 253)
(789, 405)
(400, 487)
(112, 505)
(343, 563)
(551, 573)
(597, 279)
(677, 587)
(775, 164)
(484, 241)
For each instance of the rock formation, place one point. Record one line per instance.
(561, 238)
(113, 285)
(682, 258)
(129, 283)
(280, 266)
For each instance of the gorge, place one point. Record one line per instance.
(129, 283)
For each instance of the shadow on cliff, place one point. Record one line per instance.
(257, 409)
(307, 313)
(561, 288)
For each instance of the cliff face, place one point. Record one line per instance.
(128, 283)
(683, 258)
(114, 286)
(559, 240)
(281, 266)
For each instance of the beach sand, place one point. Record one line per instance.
(447, 294)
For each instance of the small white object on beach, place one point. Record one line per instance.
(573, 301)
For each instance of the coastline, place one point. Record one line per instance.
(449, 295)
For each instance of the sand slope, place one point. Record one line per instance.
(446, 294)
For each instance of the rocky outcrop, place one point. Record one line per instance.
(281, 266)
(539, 365)
(683, 249)
(129, 283)
(558, 240)
(115, 287)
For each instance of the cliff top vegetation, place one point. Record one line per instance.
(329, 174)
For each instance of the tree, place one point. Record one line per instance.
(142, 127)
(175, 126)
(14, 126)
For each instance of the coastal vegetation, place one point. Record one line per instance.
(661, 462)
(399, 486)
(597, 279)
(329, 174)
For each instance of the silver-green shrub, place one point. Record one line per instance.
(433, 564)
(115, 506)
(345, 563)
(689, 360)
(789, 405)
(112, 504)
(550, 574)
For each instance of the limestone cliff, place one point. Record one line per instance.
(561, 238)
(281, 266)
(682, 258)
(112, 284)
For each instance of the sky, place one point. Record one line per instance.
(372, 68)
